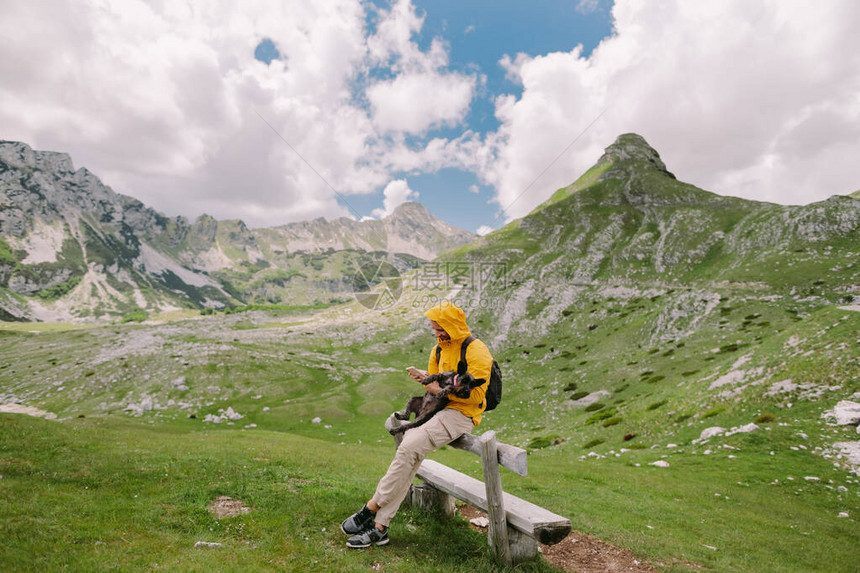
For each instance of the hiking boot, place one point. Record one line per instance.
(368, 537)
(358, 522)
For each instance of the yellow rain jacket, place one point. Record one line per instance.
(478, 357)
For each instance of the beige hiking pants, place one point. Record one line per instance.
(443, 428)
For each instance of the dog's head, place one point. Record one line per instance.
(460, 382)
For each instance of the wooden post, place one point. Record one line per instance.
(428, 497)
(523, 547)
(498, 531)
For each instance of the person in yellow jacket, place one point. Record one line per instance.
(369, 526)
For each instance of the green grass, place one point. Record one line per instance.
(136, 315)
(106, 494)
(790, 525)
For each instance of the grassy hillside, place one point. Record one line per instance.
(344, 365)
(138, 501)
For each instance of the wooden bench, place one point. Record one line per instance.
(516, 526)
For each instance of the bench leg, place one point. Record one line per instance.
(428, 497)
(523, 547)
(497, 535)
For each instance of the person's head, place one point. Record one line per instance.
(438, 331)
(448, 321)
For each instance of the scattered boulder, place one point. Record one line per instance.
(808, 391)
(228, 415)
(845, 413)
(781, 387)
(743, 429)
(717, 431)
(590, 399)
(179, 384)
(708, 433)
(851, 451)
(233, 415)
(207, 544)
(660, 464)
(145, 405)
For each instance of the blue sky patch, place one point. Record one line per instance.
(266, 51)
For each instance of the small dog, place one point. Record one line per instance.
(424, 407)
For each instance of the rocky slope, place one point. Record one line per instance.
(70, 247)
(628, 223)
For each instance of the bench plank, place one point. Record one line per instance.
(533, 520)
(511, 457)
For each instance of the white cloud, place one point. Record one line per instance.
(165, 101)
(162, 102)
(483, 230)
(396, 193)
(415, 102)
(392, 45)
(474, 189)
(422, 94)
(757, 100)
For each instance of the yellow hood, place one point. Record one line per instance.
(451, 318)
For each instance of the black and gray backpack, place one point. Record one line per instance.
(494, 390)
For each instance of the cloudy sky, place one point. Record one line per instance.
(277, 111)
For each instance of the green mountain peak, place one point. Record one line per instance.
(630, 151)
(628, 157)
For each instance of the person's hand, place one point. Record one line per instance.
(433, 388)
(416, 374)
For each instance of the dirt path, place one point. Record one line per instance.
(579, 552)
(28, 410)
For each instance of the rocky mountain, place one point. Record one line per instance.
(70, 247)
(629, 223)
(411, 229)
(212, 245)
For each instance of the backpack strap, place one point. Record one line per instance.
(464, 346)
